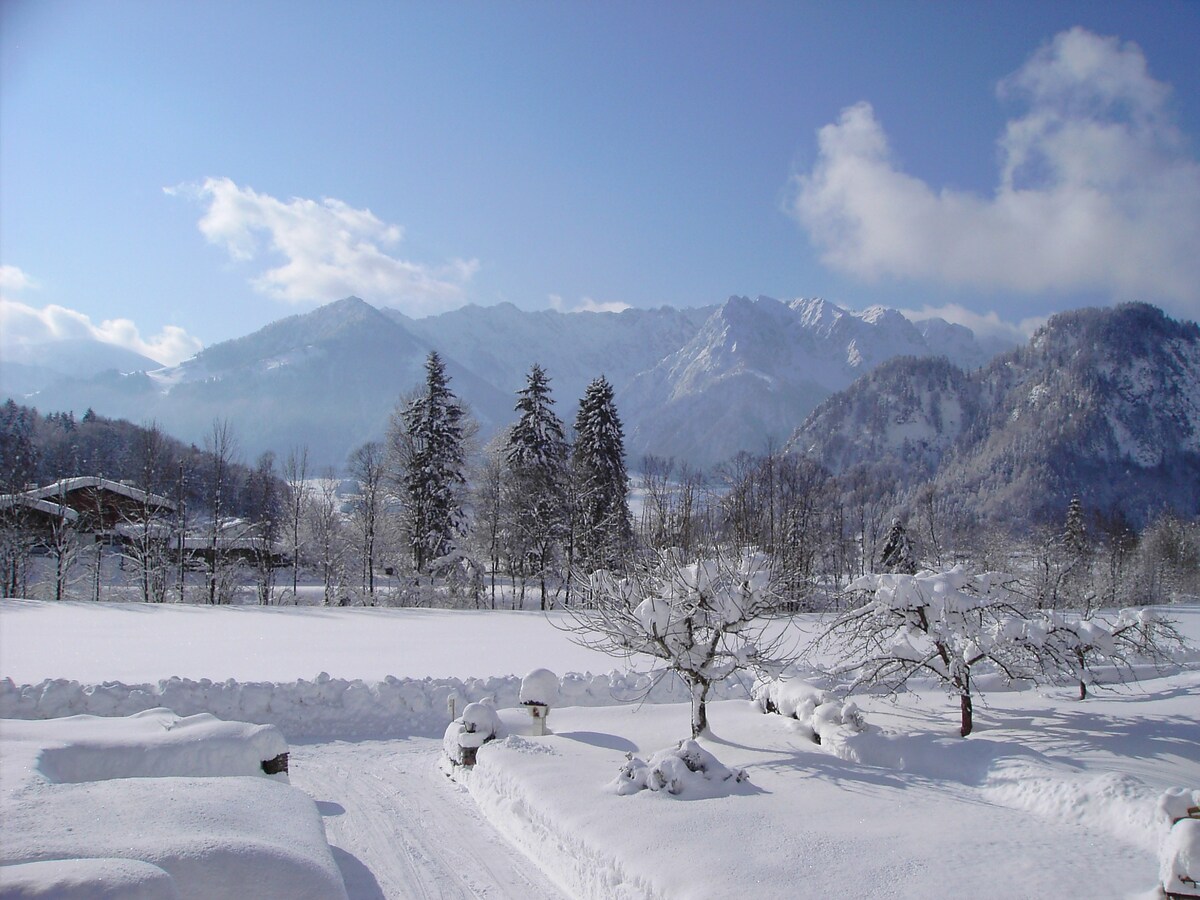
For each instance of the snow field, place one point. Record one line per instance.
(1050, 796)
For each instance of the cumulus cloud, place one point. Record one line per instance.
(328, 249)
(587, 304)
(23, 325)
(1096, 190)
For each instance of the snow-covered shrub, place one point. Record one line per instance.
(821, 715)
(477, 725)
(684, 770)
(1179, 853)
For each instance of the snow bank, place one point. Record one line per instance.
(87, 879)
(332, 707)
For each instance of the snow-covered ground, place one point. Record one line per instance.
(1050, 796)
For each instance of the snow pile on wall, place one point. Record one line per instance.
(329, 706)
(151, 744)
(83, 797)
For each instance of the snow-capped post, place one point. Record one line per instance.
(1179, 852)
(704, 620)
(464, 736)
(539, 691)
(451, 703)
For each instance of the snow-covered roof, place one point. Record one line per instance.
(80, 482)
(58, 510)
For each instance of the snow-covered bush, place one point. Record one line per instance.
(477, 725)
(1179, 854)
(704, 620)
(821, 715)
(686, 770)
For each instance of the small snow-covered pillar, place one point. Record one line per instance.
(539, 690)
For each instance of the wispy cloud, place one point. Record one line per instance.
(22, 324)
(328, 249)
(586, 304)
(1096, 190)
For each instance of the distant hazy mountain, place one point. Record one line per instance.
(757, 367)
(25, 368)
(697, 384)
(1103, 404)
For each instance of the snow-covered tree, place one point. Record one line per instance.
(703, 620)
(1090, 649)
(295, 476)
(429, 446)
(897, 554)
(933, 624)
(537, 483)
(602, 530)
(367, 467)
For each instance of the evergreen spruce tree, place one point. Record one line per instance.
(897, 554)
(433, 464)
(537, 485)
(603, 529)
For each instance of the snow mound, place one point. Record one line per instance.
(177, 794)
(329, 706)
(687, 770)
(151, 744)
(87, 879)
(477, 725)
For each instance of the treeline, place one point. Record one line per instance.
(427, 516)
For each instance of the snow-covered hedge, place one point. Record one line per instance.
(331, 706)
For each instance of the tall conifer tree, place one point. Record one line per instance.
(603, 527)
(433, 467)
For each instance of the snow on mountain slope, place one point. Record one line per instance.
(699, 384)
(1103, 404)
(755, 370)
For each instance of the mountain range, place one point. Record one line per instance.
(1102, 404)
(697, 384)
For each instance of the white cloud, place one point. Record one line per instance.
(22, 324)
(1096, 190)
(587, 304)
(329, 250)
(13, 279)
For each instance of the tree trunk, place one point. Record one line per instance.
(699, 708)
(967, 708)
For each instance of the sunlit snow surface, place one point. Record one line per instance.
(1049, 797)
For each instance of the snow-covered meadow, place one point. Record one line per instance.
(1049, 797)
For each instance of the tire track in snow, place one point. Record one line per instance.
(401, 829)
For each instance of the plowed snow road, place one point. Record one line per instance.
(400, 829)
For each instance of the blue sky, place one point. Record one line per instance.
(176, 174)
